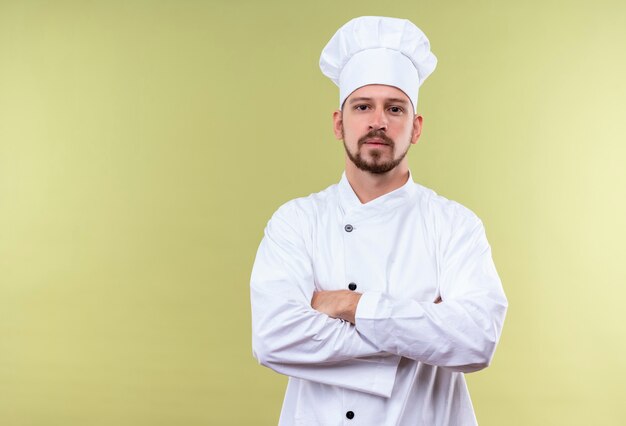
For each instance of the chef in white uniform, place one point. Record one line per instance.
(376, 294)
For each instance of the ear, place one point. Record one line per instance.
(338, 124)
(417, 128)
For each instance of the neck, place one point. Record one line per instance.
(369, 186)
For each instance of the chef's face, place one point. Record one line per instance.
(377, 125)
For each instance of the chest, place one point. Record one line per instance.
(395, 253)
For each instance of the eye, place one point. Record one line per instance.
(361, 107)
(396, 110)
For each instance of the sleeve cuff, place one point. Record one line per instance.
(373, 306)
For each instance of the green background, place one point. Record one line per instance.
(145, 144)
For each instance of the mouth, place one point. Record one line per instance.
(376, 141)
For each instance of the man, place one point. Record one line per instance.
(375, 295)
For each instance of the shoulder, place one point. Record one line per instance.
(294, 222)
(443, 211)
(302, 210)
(455, 229)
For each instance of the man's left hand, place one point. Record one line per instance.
(336, 304)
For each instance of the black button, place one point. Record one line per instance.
(350, 415)
(352, 286)
(348, 228)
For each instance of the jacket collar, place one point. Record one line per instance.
(349, 200)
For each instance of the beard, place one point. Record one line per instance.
(376, 164)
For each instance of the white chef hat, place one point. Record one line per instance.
(378, 50)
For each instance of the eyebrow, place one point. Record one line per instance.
(387, 100)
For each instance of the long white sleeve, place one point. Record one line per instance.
(462, 332)
(291, 337)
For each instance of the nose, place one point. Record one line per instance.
(378, 120)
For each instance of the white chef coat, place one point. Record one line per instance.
(402, 363)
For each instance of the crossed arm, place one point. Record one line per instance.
(296, 331)
(340, 304)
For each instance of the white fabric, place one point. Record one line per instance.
(378, 50)
(403, 361)
(382, 66)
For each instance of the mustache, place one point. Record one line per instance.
(378, 134)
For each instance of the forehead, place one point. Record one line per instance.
(378, 92)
